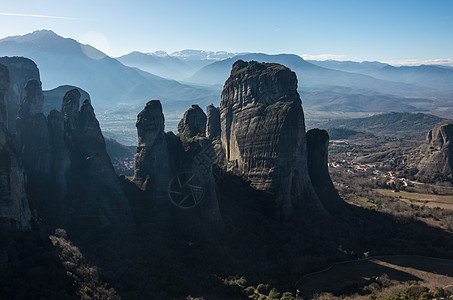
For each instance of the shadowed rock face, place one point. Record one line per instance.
(212, 122)
(162, 158)
(14, 206)
(152, 163)
(96, 195)
(263, 133)
(21, 70)
(71, 179)
(32, 132)
(193, 123)
(317, 146)
(437, 154)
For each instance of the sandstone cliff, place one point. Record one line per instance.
(32, 132)
(263, 134)
(212, 122)
(152, 163)
(436, 163)
(21, 70)
(176, 169)
(317, 146)
(193, 123)
(14, 207)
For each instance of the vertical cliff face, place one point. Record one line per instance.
(263, 133)
(212, 122)
(21, 70)
(95, 195)
(152, 162)
(14, 206)
(32, 132)
(71, 179)
(437, 154)
(317, 150)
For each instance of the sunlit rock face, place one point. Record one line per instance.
(14, 207)
(437, 154)
(263, 134)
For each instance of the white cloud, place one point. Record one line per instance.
(324, 57)
(417, 62)
(35, 16)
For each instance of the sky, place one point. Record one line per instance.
(397, 31)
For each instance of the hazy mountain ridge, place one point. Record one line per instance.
(411, 125)
(437, 76)
(65, 61)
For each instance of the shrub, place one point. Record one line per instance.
(274, 294)
(249, 291)
(263, 288)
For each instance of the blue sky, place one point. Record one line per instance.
(357, 30)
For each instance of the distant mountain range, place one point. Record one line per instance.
(431, 76)
(178, 65)
(64, 61)
(119, 87)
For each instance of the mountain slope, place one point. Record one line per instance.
(308, 74)
(161, 65)
(64, 61)
(439, 77)
(414, 125)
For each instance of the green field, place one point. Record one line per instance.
(427, 200)
(343, 277)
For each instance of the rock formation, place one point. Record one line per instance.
(152, 163)
(52, 98)
(193, 123)
(437, 154)
(32, 132)
(21, 70)
(165, 159)
(96, 198)
(71, 180)
(212, 122)
(263, 134)
(14, 206)
(317, 150)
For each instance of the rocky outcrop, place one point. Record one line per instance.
(193, 123)
(152, 163)
(317, 150)
(21, 70)
(263, 134)
(96, 198)
(52, 98)
(436, 163)
(32, 132)
(212, 122)
(14, 207)
(71, 180)
(171, 167)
